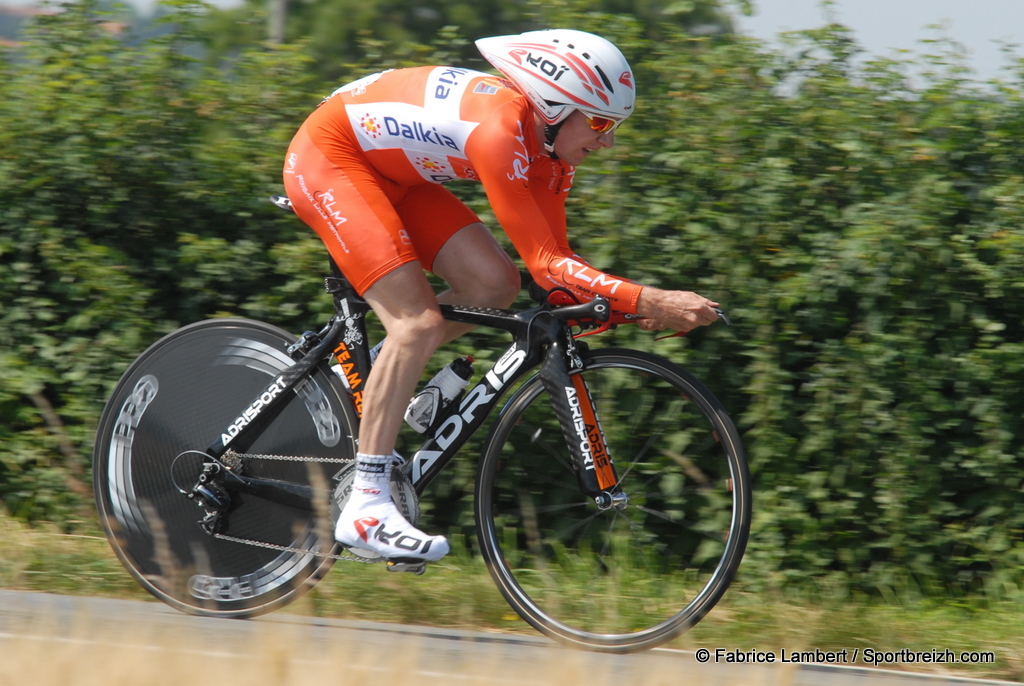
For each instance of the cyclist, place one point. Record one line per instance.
(366, 172)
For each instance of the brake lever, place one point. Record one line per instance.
(601, 328)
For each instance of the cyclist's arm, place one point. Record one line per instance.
(661, 309)
(529, 202)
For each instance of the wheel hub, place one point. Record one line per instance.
(607, 501)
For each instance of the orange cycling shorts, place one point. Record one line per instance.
(371, 225)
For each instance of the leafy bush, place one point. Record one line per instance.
(863, 229)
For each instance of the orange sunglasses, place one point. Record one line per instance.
(601, 124)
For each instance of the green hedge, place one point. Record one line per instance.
(862, 227)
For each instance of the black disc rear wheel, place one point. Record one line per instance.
(165, 411)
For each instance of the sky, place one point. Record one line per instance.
(882, 26)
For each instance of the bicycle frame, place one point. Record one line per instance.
(542, 338)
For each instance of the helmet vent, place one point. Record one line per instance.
(607, 81)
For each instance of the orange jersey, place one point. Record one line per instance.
(432, 125)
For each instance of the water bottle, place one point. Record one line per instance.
(440, 392)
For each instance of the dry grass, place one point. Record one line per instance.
(458, 593)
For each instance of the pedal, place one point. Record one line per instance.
(398, 564)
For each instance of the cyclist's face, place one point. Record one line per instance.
(576, 140)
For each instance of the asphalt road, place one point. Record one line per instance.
(75, 636)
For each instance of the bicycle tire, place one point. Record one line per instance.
(176, 398)
(616, 580)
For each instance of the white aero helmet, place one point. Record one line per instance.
(561, 70)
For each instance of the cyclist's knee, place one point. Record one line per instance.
(423, 329)
(493, 283)
(477, 269)
(510, 283)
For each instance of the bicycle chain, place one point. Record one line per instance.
(302, 551)
(232, 456)
(234, 460)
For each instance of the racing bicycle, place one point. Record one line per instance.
(612, 497)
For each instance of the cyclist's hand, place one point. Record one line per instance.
(676, 310)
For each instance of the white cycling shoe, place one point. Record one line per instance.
(372, 522)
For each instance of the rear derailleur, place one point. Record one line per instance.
(209, 494)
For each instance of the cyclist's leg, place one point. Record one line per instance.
(406, 306)
(352, 208)
(457, 247)
(451, 242)
(354, 211)
(478, 272)
(465, 254)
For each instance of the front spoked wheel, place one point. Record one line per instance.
(163, 414)
(635, 575)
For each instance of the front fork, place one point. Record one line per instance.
(577, 414)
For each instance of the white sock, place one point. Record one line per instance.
(371, 521)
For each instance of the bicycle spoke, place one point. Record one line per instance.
(636, 459)
(561, 508)
(559, 457)
(690, 525)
